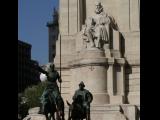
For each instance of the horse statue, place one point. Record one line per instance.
(77, 111)
(80, 107)
(51, 109)
(51, 97)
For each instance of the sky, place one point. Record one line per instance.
(32, 18)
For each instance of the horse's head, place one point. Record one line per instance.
(75, 109)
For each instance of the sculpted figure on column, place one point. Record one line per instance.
(95, 31)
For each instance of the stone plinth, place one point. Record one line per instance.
(92, 69)
(98, 112)
(103, 112)
(33, 114)
(35, 117)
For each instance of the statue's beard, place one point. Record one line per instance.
(98, 10)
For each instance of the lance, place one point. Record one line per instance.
(60, 62)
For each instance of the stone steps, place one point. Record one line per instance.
(98, 112)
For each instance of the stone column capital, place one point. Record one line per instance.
(111, 61)
(121, 61)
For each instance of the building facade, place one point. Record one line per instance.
(53, 31)
(27, 74)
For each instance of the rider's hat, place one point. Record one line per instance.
(81, 84)
(51, 65)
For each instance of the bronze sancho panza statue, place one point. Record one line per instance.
(80, 107)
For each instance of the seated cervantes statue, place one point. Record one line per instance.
(95, 31)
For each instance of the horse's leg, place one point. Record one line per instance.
(57, 115)
(52, 115)
(87, 116)
(46, 115)
(69, 114)
(63, 115)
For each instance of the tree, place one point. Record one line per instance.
(34, 93)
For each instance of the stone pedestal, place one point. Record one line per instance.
(98, 112)
(91, 69)
(116, 99)
(104, 112)
(33, 114)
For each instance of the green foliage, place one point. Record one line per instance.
(30, 98)
(34, 93)
(22, 106)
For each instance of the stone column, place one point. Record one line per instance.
(116, 44)
(73, 17)
(64, 17)
(110, 76)
(121, 78)
(107, 50)
(118, 97)
(107, 46)
(81, 13)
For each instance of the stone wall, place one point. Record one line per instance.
(133, 85)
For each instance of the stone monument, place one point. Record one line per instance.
(103, 52)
